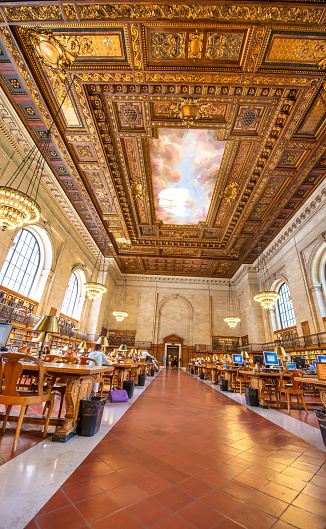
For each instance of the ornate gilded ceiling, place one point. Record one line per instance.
(250, 76)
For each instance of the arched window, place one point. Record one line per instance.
(21, 265)
(70, 299)
(285, 307)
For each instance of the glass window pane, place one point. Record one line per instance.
(20, 267)
(71, 294)
(285, 307)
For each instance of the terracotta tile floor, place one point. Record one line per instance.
(30, 434)
(186, 456)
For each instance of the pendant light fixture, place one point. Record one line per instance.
(232, 320)
(266, 296)
(18, 207)
(120, 314)
(94, 289)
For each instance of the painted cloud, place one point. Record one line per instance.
(185, 165)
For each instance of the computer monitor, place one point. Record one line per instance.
(257, 359)
(299, 362)
(5, 329)
(314, 365)
(291, 366)
(237, 359)
(270, 358)
(321, 358)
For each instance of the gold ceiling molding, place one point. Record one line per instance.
(94, 77)
(299, 15)
(70, 12)
(192, 78)
(230, 192)
(256, 48)
(32, 13)
(189, 110)
(269, 80)
(134, 30)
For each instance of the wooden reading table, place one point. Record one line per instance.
(79, 380)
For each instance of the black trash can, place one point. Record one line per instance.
(321, 416)
(192, 371)
(251, 396)
(141, 380)
(129, 385)
(223, 384)
(202, 376)
(152, 372)
(90, 415)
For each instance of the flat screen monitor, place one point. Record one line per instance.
(257, 359)
(321, 358)
(299, 362)
(291, 366)
(314, 365)
(270, 358)
(5, 329)
(237, 359)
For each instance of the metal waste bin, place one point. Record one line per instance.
(321, 416)
(223, 384)
(202, 376)
(90, 415)
(141, 380)
(251, 396)
(129, 385)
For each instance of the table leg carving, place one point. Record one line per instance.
(75, 391)
(322, 394)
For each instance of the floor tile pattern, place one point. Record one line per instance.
(186, 456)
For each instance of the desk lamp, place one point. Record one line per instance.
(104, 342)
(281, 353)
(47, 324)
(82, 347)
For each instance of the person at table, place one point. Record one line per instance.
(99, 356)
(101, 359)
(70, 352)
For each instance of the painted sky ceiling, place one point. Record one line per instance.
(243, 84)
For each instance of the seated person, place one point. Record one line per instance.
(100, 358)
(70, 352)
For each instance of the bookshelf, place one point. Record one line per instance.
(290, 333)
(10, 298)
(116, 338)
(225, 342)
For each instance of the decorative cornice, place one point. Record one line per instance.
(306, 211)
(17, 136)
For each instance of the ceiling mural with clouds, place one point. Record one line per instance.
(185, 165)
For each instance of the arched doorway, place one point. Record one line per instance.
(172, 351)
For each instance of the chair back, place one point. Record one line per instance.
(66, 360)
(84, 361)
(11, 371)
(290, 375)
(50, 358)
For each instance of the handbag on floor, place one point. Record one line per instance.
(118, 395)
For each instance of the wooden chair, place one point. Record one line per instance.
(10, 372)
(50, 358)
(241, 380)
(67, 360)
(292, 387)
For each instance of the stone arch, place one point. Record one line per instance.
(316, 275)
(179, 322)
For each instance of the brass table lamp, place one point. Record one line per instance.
(47, 324)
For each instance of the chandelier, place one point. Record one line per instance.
(19, 207)
(120, 314)
(266, 296)
(94, 289)
(231, 320)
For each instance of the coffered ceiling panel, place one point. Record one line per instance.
(190, 129)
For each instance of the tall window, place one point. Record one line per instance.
(285, 307)
(20, 267)
(70, 299)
